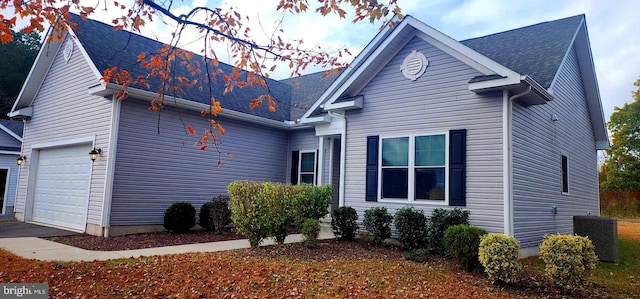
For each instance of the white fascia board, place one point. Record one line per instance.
(14, 135)
(316, 119)
(356, 103)
(22, 113)
(94, 69)
(9, 153)
(347, 75)
(134, 93)
(493, 84)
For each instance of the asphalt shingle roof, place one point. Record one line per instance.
(536, 50)
(108, 48)
(310, 88)
(13, 125)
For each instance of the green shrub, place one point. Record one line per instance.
(411, 226)
(499, 256)
(344, 223)
(420, 255)
(461, 242)
(568, 260)
(248, 211)
(310, 231)
(377, 221)
(215, 215)
(280, 202)
(312, 202)
(440, 221)
(179, 217)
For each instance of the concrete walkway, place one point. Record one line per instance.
(44, 250)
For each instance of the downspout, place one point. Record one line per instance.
(507, 132)
(110, 169)
(343, 154)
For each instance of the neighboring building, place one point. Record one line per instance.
(506, 126)
(10, 143)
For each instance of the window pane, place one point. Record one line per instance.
(430, 183)
(395, 182)
(307, 160)
(430, 150)
(395, 151)
(306, 178)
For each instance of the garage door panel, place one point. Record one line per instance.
(61, 186)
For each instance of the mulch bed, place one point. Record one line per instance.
(145, 240)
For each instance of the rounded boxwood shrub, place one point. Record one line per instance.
(411, 226)
(440, 221)
(461, 243)
(179, 217)
(344, 223)
(499, 255)
(310, 231)
(215, 215)
(568, 260)
(377, 221)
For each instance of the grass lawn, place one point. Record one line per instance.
(334, 269)
(624, 276)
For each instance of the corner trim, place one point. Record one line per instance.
(111, 163)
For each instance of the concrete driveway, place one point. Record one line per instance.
(17, 229)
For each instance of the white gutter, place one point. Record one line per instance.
(507, 155)
(343, 155)
(109, 89)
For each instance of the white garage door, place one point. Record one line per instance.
(61, 186)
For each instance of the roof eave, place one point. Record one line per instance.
(110, 89)
(538, 96)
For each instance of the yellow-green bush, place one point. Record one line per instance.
(499, 254)
(248, 211)
(261, 210)
(568, 259)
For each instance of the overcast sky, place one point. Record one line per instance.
(613, 28)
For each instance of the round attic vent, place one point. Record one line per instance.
(68, 50)
(414, 65)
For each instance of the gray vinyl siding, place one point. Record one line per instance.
(437, 102)
(9, 162)
(63, 110)
(7, 140)
(154, 170)
(538, 143)
(300, 140)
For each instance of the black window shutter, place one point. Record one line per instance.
(457, 167)
(316, 170)
(295, 159)
(372, 168)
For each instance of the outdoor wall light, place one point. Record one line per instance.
(21, 160)
(94, 153)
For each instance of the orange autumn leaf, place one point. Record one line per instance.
(191, 130)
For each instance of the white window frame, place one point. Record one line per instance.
(315, 165)
(411, 169)
(564, 154)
